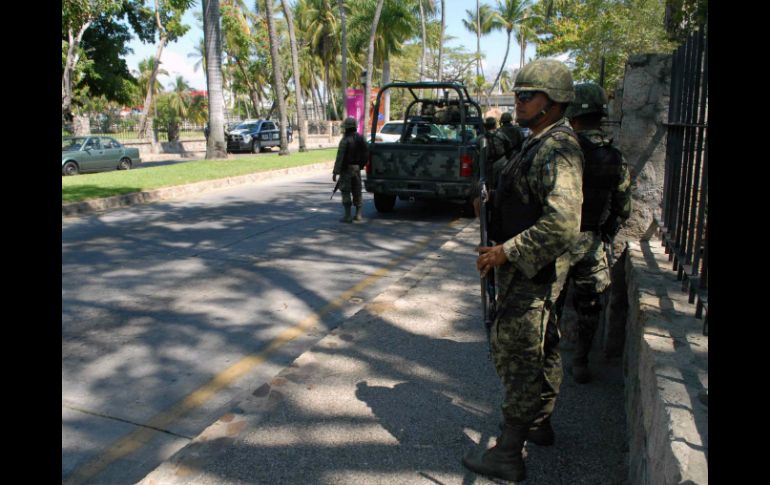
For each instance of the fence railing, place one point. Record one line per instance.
(683, 221)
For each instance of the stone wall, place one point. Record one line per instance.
(666, 374)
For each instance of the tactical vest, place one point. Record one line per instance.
(520, 212)
(513, 134)
(355, 152)
(601, 173)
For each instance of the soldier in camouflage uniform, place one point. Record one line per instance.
(351, 157)
(512, 132)
(606, 205)
(536, 219)
(498, 145)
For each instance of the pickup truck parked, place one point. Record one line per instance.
(255, 136)
(434, 155)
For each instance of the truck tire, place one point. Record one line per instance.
(384, 203)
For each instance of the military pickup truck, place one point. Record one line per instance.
(434, 156)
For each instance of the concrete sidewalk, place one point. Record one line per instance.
(396, 395)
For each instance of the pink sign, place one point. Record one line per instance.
(354, 103)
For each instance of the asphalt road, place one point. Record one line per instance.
(173, 311)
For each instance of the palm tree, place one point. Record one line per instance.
(370, 63)
(144, 76)
(344, 49)
(215, 144)
(426, 8)
(295, 67)
(321, 23)
(508, 15)
(441, 39)
(277, 75)
(480, 23)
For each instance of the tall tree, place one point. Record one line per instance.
(323, 24)
(508, 15)
(370, 66)
(427, 8)
(216, 147)
(277, 76)
(77, 17)
(480, 23)
(168, 21)
(344, 49)
(441, 40)
(295, 68)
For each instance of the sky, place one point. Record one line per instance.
(175, 60)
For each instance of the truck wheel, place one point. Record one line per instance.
(255, 148)
(384, 203)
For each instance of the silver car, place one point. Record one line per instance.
(81, 154)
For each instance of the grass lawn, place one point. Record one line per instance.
(106, 184)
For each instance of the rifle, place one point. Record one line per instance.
(336, 187)
(488, 308)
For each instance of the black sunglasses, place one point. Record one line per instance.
(526, 96)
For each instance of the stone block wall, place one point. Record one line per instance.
(666, 374)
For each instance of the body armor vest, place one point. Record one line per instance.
(601, 173)
(521, 211)
(355, 152)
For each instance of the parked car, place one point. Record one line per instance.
(255, 136)
(390, 132)
(81, 154)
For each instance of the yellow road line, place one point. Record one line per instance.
(142, 435)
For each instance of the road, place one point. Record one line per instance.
(174, 311)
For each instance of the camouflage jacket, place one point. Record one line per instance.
(348, 143)
(514, 135)
(620, 196)
(555, 181)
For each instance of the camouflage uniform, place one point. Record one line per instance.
(524, 347)
(512, 132)
(589, 270)
(536, 216)
(352, 154)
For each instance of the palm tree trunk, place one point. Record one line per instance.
(216, 147)
(386, 80)
(523, 45)
(277, 77)
(145, 122)
(424, 40)
(478, 40)
(502, 67)
(441, 39)
(370, 67)
(297, 85)
(344, 59)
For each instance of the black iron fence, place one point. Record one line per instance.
(684, 219)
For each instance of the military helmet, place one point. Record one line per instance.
(506, 118)
(490, 122)
(589, 98)
(546, 75)
(349, 123)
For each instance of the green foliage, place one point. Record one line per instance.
(684, 16)
(590, 30)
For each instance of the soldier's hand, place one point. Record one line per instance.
(489, 258)
(334, 177)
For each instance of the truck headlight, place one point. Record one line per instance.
(247, 138)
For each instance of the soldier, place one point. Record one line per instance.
(498, 144)
(606, 205)
(536, 219)
(512, 132)
(351, 156)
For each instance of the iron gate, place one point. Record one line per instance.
(684, 219)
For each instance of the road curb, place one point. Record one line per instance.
(73, 209)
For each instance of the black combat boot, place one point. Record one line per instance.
(540, 433)
(358, 217)
(504, 460)
(347, 218)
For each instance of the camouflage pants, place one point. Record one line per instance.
(350, 182)
(590, 276)
(525, 346)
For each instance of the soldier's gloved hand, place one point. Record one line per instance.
(334, 177)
